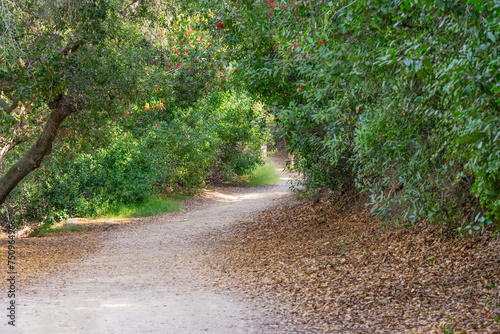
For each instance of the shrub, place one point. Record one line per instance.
(90, 182)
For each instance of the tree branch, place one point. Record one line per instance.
(61, 107)
(5, 106)
(5, 84)
(71, 47)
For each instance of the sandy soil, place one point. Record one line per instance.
(142, 275)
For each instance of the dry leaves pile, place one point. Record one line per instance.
(335, 269)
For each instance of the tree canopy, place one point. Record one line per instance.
(395, 99)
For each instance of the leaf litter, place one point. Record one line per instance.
(333, 268)
(326, 268)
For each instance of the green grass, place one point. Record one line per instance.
(265, 174)
(46, 228)
(151, 207)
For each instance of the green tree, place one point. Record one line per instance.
(62, 58)
(399, 99)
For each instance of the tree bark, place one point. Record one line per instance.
(61, 108)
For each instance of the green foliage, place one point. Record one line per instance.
(398, 99)
(48, 228)
(155, 112)
(243, 129)
(262, 175)
(150, 207)
(226, 130)
(90, 182)
(143, 154)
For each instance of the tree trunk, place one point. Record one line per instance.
(61, 108)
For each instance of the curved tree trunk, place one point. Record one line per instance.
(61, 108)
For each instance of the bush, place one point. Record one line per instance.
(225, 130)
(398, 99)
(90, 182)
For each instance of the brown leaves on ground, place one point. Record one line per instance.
(39, 258)
(337, 270)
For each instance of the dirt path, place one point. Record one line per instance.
(145, 278)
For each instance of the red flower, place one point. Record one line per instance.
(155, 107)
(164, 100)
(235, 70)
(220, 25)
(162, 107)
(182, 41)
(178, 65)
(200, 38)
(213, 37)
(192, 85)
(187, 68)
(209, 44)
(126, 113)
(157, 125)
(147, 108)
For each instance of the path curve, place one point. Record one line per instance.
(146, 278)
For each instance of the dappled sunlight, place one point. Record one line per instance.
(217, 196)
(221, 197)
(97, 304)
(115, 305)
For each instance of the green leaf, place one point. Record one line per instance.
(491, 37)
